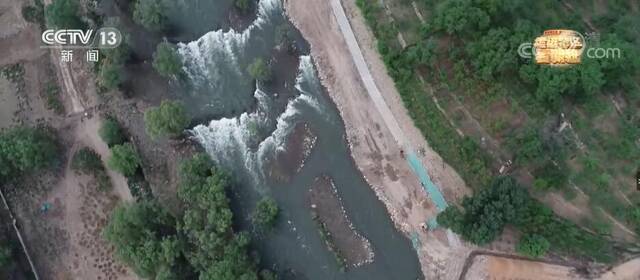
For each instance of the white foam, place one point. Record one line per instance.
(203, 57)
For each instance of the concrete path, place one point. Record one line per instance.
(381, 106)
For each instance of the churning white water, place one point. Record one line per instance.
(205, 58)
(229, 140)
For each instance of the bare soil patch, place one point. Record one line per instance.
(492, 267)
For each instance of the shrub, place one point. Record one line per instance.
(151, 14)
(111, 132)
(86, 160)
(169, 119)
(63, 14)
(166, 60)
(124, 159)
(533, 246)
(259, 70)
(266, 213)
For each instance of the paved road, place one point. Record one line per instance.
(381, 106)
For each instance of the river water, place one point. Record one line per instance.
(251, 123)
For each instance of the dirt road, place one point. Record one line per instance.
(375, 149)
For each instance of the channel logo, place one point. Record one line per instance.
(104, 38)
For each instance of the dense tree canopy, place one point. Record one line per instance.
(504, 202)
(144, 236)
(24, 149)
(63, 14)
(169, 119)
(487, 212)
(151, 14)
(200, 244)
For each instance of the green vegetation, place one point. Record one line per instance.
(26, 149)
(34, 13)
(533, 246)
(87, 161)
(111, 66)
(169, 119)
(259, 70)
(151, 14)
(266, 213)
(463, 153)
(243, 5)
(64, 14)
(505, 202)
(166, 60)
(15, 74)
(144, 237)
(110, 75)
(6, 255)
(551, 122)
(52, 98)
(124, 159)
(633, 217)
(111, 132)
(198, 244)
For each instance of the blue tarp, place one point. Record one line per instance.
(433, 191)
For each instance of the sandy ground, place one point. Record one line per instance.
(627, 271)
(373, 147)
(491, 267)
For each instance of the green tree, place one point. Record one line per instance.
(110, 75)
(151, 14)
(111, 132)
(493, 54)
(259, 70)
(533, 246)
(220, 254)
(488, 211)
(63, 14)
(527, 145)
(460, 17)
(143, 235)
(266, 213)
(169, 119)
(166, 60)
(24, 149)
(124, 159)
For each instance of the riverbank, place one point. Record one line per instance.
(373, 147)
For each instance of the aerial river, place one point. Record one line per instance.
(244, 126)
